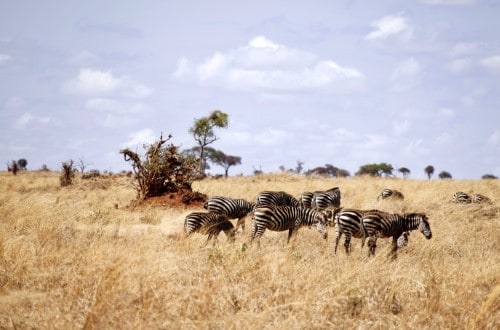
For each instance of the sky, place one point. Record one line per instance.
(347, 83)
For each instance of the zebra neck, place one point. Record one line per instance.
(409, 221)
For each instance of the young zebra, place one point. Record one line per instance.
(232, 208)
(478, 198)
(210, 224)
(281, 218)
(324, 199)
(390, 193)
(276, 198)
(461, 197)
(380, 224)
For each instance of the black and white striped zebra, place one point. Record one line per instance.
(291, 218)
(276, 198)
(347, 222)
(327, 198)
(210, 224)
(390, 193)
(231, 207)
(375, 224)
(461, 197)
(478, 198)
(306, 199)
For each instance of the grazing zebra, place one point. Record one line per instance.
(380, 224)
(210, 224)
(461, 197)
(478, 198)
(276, 198)
(232, 208)
(324, 199)
(390, 193)
(281, 218)
(305, 199)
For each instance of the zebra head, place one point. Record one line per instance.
(424, 226)
(322, 224)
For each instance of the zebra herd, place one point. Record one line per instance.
(280, 211)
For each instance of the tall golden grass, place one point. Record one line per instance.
(80, 257)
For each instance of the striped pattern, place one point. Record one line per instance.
(347, 222)
(461, 197)
(306, 199)
(324, 199)
(276, 198)
(210, 224)
(390, 193)
(375, 224)
(281, 218)
(230, 207)
(478, 198)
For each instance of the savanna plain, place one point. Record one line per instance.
(88, 256)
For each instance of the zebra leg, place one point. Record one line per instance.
(291, 233)
(394, 247)
(338, 235)
(372, 245)
(347, 244)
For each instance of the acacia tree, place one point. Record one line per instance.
(429, 170)
(226, 161)
(376, 169)
(203, 133)
(405, 171)
(444, 175)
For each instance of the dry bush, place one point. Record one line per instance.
(70, 258)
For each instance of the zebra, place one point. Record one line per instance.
(390, 193)
(276, 198)
(291, 218)
(380, 224)
(461, 197)
(348, 222)
(305, 199)
(478, 198)
(323, 199)
(210, 224)
(232, 208)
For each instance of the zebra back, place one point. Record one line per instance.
(276, 198)
(281, 218)
(390, 193)
(478, 198)
(322, 200)
(461, 197)
(305, 199)
(232, 208)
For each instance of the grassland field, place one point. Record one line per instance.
(86, 256)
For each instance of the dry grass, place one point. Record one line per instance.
(79, 257)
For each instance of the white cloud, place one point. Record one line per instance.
(491, 63)
(459, 65)
(265, 66)
(4, 58)
(14, 102)
(271, 137)
(83, 57)
(389, 26)
(406, 74)
(139, 138)
(115, 106)
(494, 138)
(464, 48)
(446, 113)
(400, 127)
(28, 118)
(416, 148)
(91, 82)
